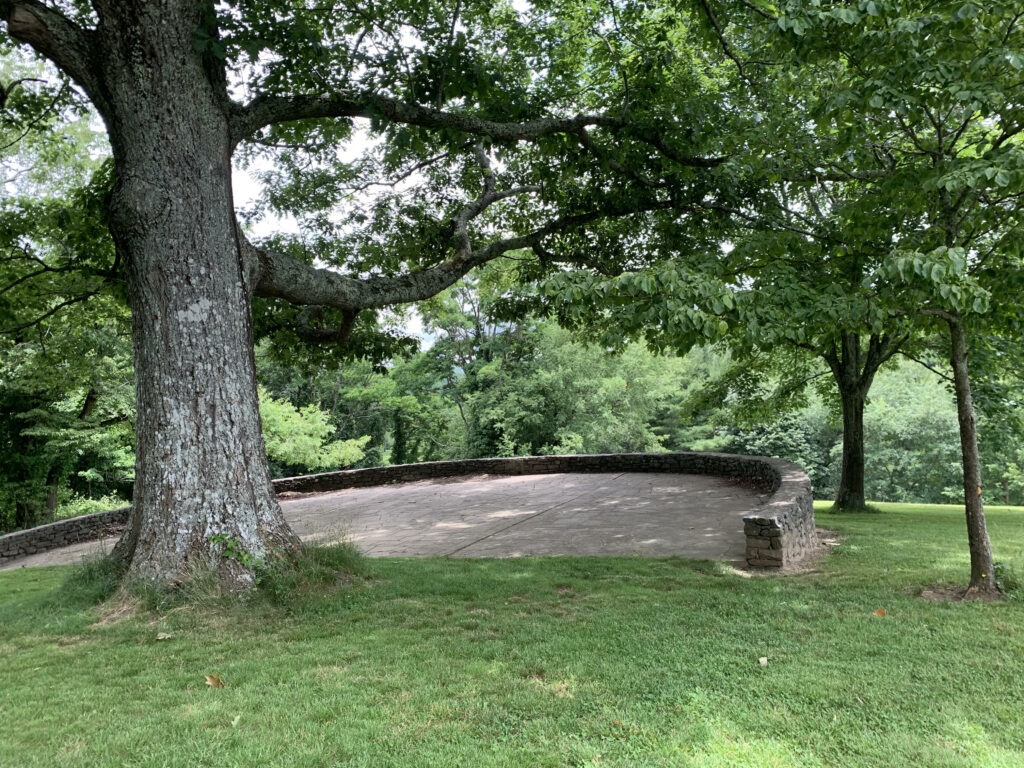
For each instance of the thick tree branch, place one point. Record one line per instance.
(285, 277)
(831, 356)
(950, 317)
(268, 110)
(57, 38)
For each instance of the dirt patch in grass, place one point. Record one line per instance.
(566, 591)
(955, 593)
(71, 640)
(121, 606)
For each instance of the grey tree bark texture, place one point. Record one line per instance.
(201, 468)
(982, 568)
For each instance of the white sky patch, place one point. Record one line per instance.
(247, 190)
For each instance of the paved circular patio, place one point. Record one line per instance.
(627, 513)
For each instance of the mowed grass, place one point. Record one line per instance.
(540, 662)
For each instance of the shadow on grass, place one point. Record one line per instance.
(98, 587)
(90, 582)
(870, 509)
(314, 571)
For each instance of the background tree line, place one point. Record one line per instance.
(482, 386)
(814, 187)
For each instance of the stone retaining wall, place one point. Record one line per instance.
(779, 533)
(61, 533)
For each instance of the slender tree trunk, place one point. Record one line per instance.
(854, 365)
(53, 491)
(400, 451)
(850, 495)
(58, 469)
(26, 514)
(201, 471)
(982, 576)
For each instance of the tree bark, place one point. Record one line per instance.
(52, 493)
(201, 471)
(850, 494)
(982, 570)
(854, 367)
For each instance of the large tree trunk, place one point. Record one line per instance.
(850, 495)
(201, 475)
(982, 570)
(854, 366)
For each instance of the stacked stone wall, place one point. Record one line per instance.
(62, 533)
(779, 533)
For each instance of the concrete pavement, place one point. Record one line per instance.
(648, 514)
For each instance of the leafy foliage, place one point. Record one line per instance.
(65, 363)
(298, 437)
(784, 175)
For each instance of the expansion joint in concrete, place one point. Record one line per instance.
(526, 519)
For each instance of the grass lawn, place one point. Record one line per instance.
(541, 662)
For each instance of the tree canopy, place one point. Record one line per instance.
(657, 170)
